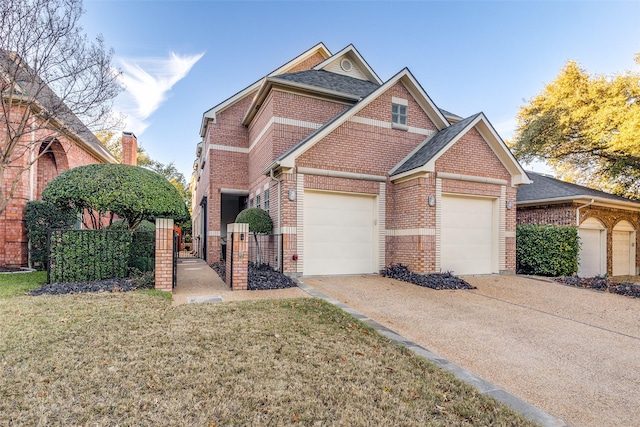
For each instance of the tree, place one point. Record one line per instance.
(53, 82)
(587, 128)
(259, 223)
(105, 190)
(170, 172)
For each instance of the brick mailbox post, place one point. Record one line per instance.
(237, 266)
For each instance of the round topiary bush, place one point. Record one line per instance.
(259, 220)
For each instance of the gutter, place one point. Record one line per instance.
(578, 211)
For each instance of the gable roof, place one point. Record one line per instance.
(211, 113)
(45, 98)
(288, 158)
(423, 158)
(351, 53)
(545, 189)
(432, 146)
(332, 81)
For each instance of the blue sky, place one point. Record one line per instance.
(181, 58)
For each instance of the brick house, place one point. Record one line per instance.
(64, 143)
(606, 223)
(356, 173)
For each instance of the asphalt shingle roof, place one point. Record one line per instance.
(433, 145)
(331, 81)
(545, 187)
(25, 76)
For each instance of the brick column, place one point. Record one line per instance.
(237, 256)
(164, 254)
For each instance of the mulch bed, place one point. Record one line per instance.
(108, 285)
(602, 284)
(433, 281)
(261, 277)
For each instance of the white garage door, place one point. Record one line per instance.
(339, 234)
(623, 249)
(592, 259)
(469, 236)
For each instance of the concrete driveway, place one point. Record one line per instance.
(574, 353)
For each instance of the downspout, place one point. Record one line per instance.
(578, 211)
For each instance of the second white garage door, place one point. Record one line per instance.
(339, 234)
(624, 254)
(469, 236)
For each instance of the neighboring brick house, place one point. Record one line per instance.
(606, 223)
(357, 173)
(64, 148)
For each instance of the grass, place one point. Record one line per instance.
(132, 359)
(15, 284)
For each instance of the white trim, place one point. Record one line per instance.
(351, 52)
(389, 125)
(471, 178)
(218, 147)
(599, 201)
(502, 225)
(234, 192)
(300, 221)
(399, 101)
(411, 232)
(382, 224)
(213, 233)
(510, 234)
(211, 113)
(288, 230)
(282, 121)
(341, 174)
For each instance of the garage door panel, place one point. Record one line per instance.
(468, 235)
(339, 234)
(621, 253)
(591, 253)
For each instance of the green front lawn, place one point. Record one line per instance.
(132, 359)
(15, 284)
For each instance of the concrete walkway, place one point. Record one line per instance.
(198, 283)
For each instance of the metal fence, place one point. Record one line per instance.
(266, 249)
(87, 255)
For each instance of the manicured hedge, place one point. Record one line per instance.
(87, 255)
(547, 250)
(42, 217)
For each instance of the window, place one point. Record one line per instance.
(399, 114)
(266, 200)
(251, 202)
(258, 204)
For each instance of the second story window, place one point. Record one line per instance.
(266, 200)
(399, 114)
(258, 204)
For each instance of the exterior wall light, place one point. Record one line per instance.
(509, 204)
(432, 200)
(292, 194)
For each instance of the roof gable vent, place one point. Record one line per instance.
(346, 65)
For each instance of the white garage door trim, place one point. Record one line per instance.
(592, 259)
(623, 252)
(340, 233)
(469, 234)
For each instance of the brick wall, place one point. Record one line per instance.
(63, 154)
(565, 214)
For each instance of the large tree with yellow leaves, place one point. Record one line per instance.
(587, 128)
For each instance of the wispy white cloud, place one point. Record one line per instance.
(148, 82)
(506, 128)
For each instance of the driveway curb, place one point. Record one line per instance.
(484, 387)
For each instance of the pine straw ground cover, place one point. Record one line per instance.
(132, 359)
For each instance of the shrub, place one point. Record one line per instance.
(131, 192)
(259, 220)
(42, 217)
(547, 250)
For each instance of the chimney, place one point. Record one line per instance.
(129, 149)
